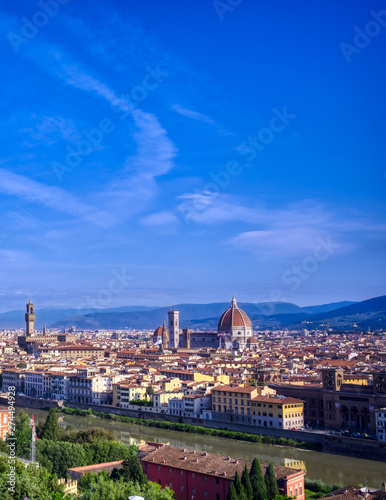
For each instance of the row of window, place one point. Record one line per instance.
(231, 394)
(296, 491)
(235, 401)
(205, 493)
(235, 409)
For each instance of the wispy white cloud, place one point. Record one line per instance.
(130, 191)
(286, 231)
(194, 115)
(50, 196)
(279, 242)
(49, 129)
(159, 219)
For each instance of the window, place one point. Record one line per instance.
(170, 470)
(181, 488)
(205, 494)
(204, 478)
(217, 496)
(181, 473)
(193, 475)
(300, 490)
(217, 480)
(193, 491)
(159, 468)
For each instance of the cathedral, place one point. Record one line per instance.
(234, 331)
(234, 327)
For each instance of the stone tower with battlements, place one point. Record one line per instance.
(30, 319)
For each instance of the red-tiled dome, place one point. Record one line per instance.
(233, 318)
(158, 332)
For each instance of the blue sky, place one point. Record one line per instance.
(196, 149)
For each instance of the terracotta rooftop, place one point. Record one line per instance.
(229, 388)
(90, 468)
(354, 493)
(209, 463)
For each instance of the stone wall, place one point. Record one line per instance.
(354, 447)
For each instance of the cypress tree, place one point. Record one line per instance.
(271, 483)
(232, 495)
(239, 487)
(257, 480)
(132, 470)
(246, 482)
(51, 429)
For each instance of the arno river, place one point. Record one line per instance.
(329, 468)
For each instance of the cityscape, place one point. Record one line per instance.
(192, 249)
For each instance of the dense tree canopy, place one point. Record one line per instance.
(257, 481)
(51, 429)
(271, 483)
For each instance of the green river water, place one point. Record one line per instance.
(329, 468)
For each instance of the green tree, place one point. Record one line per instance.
(232, 495)
(271, 483)
(51, 429)
(246, 482)
(33, 482)
(22, 435)
(239, 487)
(149, 391)
(257, 481)
(132, 470)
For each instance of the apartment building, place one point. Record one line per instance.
(201, 475)
(4, 422)
(380, 424)
(277, 412)
(13, 377)
(94, 390)
(123, 393)
(192, 406)
(60, 383)
(234, 404)
(34, 384)
(161, 398)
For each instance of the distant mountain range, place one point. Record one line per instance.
(264, 315)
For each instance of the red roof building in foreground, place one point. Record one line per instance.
(234, 327)
(199, 475)
(5, 421)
